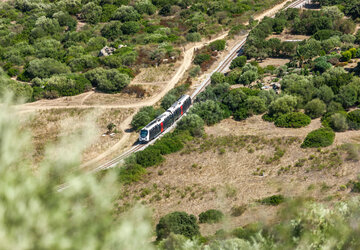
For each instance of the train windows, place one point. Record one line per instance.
(143, 133)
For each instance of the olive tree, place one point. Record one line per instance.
(193, 123)
(109, 81)
(315, 108)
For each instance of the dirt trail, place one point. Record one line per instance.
(187, 59)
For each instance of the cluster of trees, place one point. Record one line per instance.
(328, 28)
(43, 38)
(205, 56)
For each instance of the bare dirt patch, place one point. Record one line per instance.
(48, 126)
(219, 172)
(161, 73)
(274, 61)
(289, 37)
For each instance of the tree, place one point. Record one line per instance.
(193, 123)
(130, 28)
(145, 7)
(65, 19)
(112, 30)
(348, 95)
(45, 68)
(126, 13)
(315, 108)
(193, 37)
(91, 12)
(110, 126)
(45, 26)
(48, 48)
(239, 61)
(255, 105)
(67, 85)
(143, 117)
(217, 78)
(338, 122)
(210, 111)
(177, 223)
(292, 120)
(325, 94)
(168, 100)
(354, 119)
(283, 105)
(109, 81)
(234, 99)
(200, 58)
(217, 45)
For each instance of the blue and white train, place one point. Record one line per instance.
(165, 120)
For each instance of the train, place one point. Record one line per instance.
(165, 120)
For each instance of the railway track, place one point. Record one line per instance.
(236, 51)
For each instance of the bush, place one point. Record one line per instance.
(238, 210)
(108, 80)
(217, 78)
(255, 105)
(282, 105)
(338, 122)
(210, 111)
(354, 119)
(241, 114)
(168, 144)
(130, 173)
(235, 99)
(67, 85)
(168, 100)
(211, 216)
(292, 120)
(273, 200)
(193, 37)
(193, 123)
(322, 137)
(112, 30)
(130, 28)
(194, 71)
(44, 68)
(238, 62)
(248, 232)
(315, 108)
(217, 45)
(149, 157)
(200, 58)
(177, 223)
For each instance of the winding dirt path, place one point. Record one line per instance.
(125, 125)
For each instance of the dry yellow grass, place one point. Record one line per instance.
(48, 126)
(203, 177)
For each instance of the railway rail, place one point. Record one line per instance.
(235, 51)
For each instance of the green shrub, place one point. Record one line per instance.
(238, 210)
(167, 144)
(273, 200)
(144, 116)
(241, 114)
(355, 187)
(321, 137)
(177, 223)
(193, 37)
(292, 120)
(200, 58)
(238, 62)
(354, 119)
(131, 173)
(217, 45)
(211, 216)
(193, 123)
(210, 111)
(338, 122)
(247, 232)
(315, 108)
(149, 157)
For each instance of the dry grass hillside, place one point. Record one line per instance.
(241, 162)
(49, 126)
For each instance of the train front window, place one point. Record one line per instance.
(143, 133)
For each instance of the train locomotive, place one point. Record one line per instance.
(165, 120)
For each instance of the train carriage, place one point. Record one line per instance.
(165, 120)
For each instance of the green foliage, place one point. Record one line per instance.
(200, 58)
(292, 120)
(354, 119)
(255, 105)
(149, 157)
(109, 81)
(193, 123)
(210, 111)
(130, 28)
(273, 200)
(177, 223)
(82, 215)
(67, 85)
(315, 108)
(194, 71)
(322, 137)
(21, 91)
(235, 99)
(126, 13)
(283, 105)
(44, 68)
(217, 78)
(348, 95)
(91, 13)
(131, 172)
(193, 37)
(239, 61)
(168, 144)
(211, 216)
(338, 122)
(217, 45)
(112, 30)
